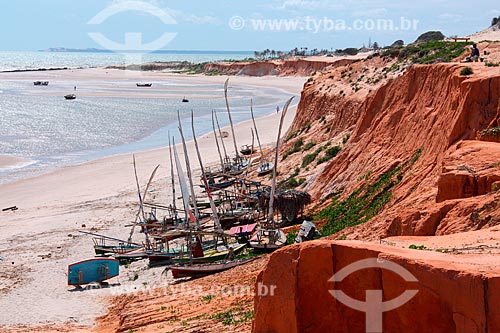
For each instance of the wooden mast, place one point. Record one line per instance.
(172, 176)
(217, 142)
(141, 200)
(204, 178)
(273, 186)
(183, 185)
(221, 137)
(255, 127)
(231, 120)
(189, 175)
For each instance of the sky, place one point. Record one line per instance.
(232, 25)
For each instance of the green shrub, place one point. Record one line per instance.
(292, 135)
(466, 71)
(296, 148)
(290, 238)
(330, 153)
(492, 64)
(308, 146)
(430, 36)
(432, 52)
(311, 157)
(364, 203)
(293, 183)
(415, 247)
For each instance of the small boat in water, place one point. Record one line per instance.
(144, 84)
(92, 270)
(41, 83)
(70, 96)
(185, 100)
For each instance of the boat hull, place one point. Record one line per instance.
(92, 270)
(211, 256)
(114, 249)
(265, 168)
(268, 240)
(205, 269)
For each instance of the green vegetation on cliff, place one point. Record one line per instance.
(365, 202)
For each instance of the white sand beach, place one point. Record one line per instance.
(41, 238)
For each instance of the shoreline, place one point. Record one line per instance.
(86, 79)
(41, 238)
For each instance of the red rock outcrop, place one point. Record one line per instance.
(430, 108)
(455, 294)
(290, 67)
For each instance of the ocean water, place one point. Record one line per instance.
(51, 132)
(10, 60)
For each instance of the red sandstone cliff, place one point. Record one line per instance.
(452, 186)
(455, 294)
(291, 67)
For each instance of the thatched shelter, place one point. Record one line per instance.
(289, 203)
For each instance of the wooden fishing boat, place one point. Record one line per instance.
(70, 96)
(246, 150)
(144, 84)
(268, 240)
(130, 256)
(102, 247)
(206, 269)
(213, 186)
(159, 258)
(41, 83)
(92, 270)
(220, 253)
(265, 168)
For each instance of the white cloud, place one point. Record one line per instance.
(306, 5)
(449, 17)
(371, 13)
(193, 18)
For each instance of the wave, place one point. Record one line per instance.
(10, 163)
(41, 69)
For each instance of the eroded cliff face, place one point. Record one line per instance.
(454, 294)
(432, 110)
(290, 67)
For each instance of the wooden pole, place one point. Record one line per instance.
(204, 178)
(188, 172)
(231, 119)
(273, 186)
(255, 127)
(217, 142)
(220, 135)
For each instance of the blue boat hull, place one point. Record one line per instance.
(92, 270)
